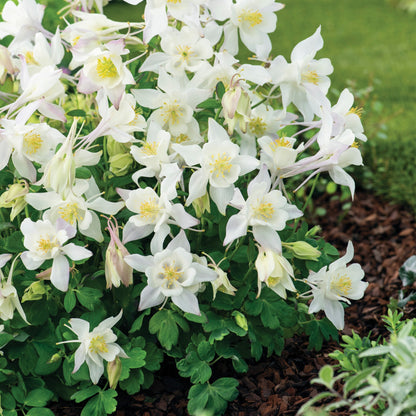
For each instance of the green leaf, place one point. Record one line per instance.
(69, 301)
(88, 297)
(85, 394)
(133, 383)
(83, 173)
(210, 103)
(355, 381)
(220, 89)
(199, 319)
(137, 324)
(198, 397)
(326, 374)
(40, 411)
(407, 271)
(206, 351)
(191, 366)
(212, 397)
(7, 401)
(77, 113)
(38, 397)
(136, 358)
(154, 357)
(18, 394)
(108, 400)
(13, 243)
(164, 325)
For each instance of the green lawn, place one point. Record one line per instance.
(365, 39)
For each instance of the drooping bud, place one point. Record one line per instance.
(236, 107)
(6, 64)
(120, 158)
(14, 198)
(116, 269)
(114, 372)
(35, 291)
(222, 283)
(201, 205)
(59, 174)
(240, 320)
(303, 250)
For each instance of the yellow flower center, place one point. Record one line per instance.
(45, 245)
(257, 126)
(355, 144)
(273, 280)
(356, 110)
(75, 40)
(282, 142)
(310, 76)
(171, 274)
(69, 213)
(149, 210)
(181, 138)
(106, 68)
(149, 149)
(174, 1)
(252, 17)
(341, 285)
(98, 344)
(264, 211)
(185, 53)
(220, 164)
(29, 58)
(171, 113)
(32, 142)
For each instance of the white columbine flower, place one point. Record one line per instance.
(45, 241)
(182, 50)
(254, 19)
(9, 300)
(265, 210)
(171, 273)
(174, 102)
(275, 271)
(221, 165)
(334, 284)
(104, 69)
(304, 82)
(96, 346)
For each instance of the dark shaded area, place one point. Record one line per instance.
(384, 237)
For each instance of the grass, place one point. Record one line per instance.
(368, 42)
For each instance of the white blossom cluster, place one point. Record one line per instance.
(174, 151)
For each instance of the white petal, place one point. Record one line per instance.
(307, 48)
(187, 301)
(182, 218)
(267, 238)
(222, 197)
(79, 358)
(139, 262)
(180, 241)
(334, 312)
(236, 228)
(150, 297)
(60, 273)
(75, 252)
(101, 205)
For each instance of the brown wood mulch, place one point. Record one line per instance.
(384, 236)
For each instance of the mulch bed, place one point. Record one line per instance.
(384, 237)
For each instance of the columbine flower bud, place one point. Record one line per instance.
(116, 269)
(14, 198)
(240, 320)
(201, 205)
(59, 174)
(222, 283)
(120, 157)
(35, 291)
(303, 250)
(6, 64)
(114, 372)
(236, 106)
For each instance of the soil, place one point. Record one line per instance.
(384, 237)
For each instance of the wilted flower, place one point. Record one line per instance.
(96, 346)
(116, 269)
(9, 300)
(334, 284)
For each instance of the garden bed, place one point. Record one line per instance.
(383, 235)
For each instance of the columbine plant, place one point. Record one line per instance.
(188, 152)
